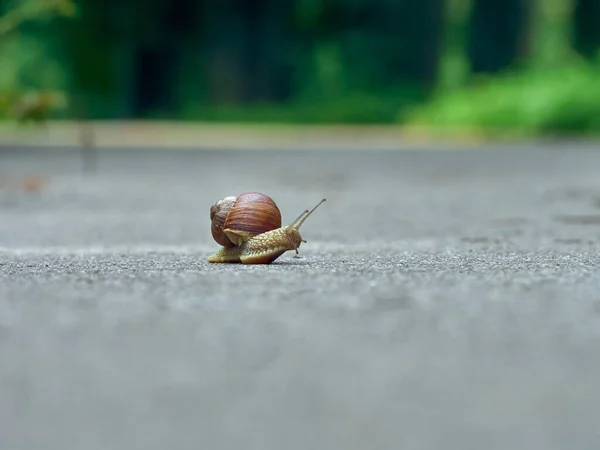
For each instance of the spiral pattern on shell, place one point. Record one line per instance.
(251, 212)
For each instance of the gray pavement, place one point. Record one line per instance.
(445, 300)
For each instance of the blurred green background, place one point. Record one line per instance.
(512, 66)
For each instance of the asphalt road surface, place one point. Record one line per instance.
(444, 300)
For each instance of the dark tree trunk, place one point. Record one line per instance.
(497, 34)
(249, 50)
(222, 43)
(390, 42)
(98, 75)
(158, 57)
(586, 27)
(268, 40)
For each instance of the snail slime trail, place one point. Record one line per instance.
(248, 227)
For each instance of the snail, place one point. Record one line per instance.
(249, 229)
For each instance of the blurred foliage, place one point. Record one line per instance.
(21, 12)
(553, 88)
(33, 78)
(526, 102)
(521, 65)
(358, 107)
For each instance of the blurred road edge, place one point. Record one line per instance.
(117, 134)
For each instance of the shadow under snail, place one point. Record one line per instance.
(249, 229)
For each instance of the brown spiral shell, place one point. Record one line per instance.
(251, 212)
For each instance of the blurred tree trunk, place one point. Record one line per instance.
(586, 27)
(386, 43)
(95, 70)
(420, 24)
(249, 45)
(158, 55)
(267, 56)
(125, 66)
(497, 34)
(222, 37)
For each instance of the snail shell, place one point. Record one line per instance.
(248, 214)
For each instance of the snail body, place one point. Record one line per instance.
(249, 229)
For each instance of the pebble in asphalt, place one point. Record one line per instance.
(445, 299)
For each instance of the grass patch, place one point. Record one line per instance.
(534, 101)
(355, 108)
